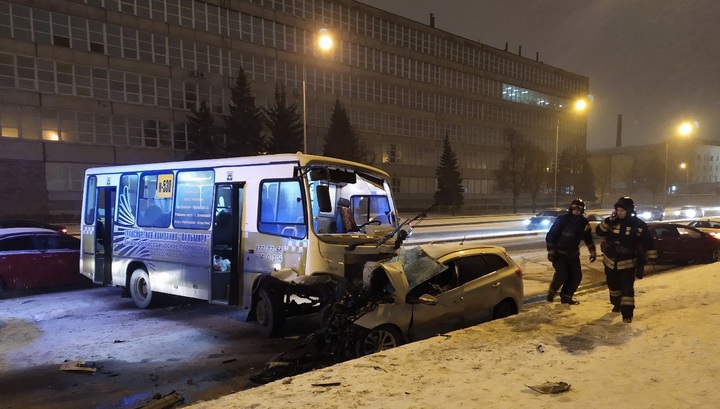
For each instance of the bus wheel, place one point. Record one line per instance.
(140, 290)
(270, 313)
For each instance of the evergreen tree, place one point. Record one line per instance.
(285, 124)
(341, 141)
(450, 190)
(202, 134)
(243, 127)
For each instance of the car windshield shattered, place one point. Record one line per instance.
(418, 266)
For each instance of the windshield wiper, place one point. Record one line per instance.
(401, 237)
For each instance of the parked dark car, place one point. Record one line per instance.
(682, 244)
(34, 258)
(31, 223)
(650, 213)
(544, 219)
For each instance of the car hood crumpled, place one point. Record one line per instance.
(405, 271)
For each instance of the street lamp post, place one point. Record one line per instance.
(324, 43)
(686, 168)
(684, 129)
(580, 105)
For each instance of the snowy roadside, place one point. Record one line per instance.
(664, 359)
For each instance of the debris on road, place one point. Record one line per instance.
(550, 387)
(78, 366)
(165, 402)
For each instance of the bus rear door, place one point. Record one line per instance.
(98, 240)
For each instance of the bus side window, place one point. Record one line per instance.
(281, 209)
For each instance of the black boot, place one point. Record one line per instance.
(616, 308)
(627, 319)
(570, 301)
(551, 295)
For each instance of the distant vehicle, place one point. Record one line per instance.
(34, 258)
(31, 223)
(690, 212)
(544, 219)
(681, 244)
(594, 219)
(433, 289)
(650, 213)
(711, 227)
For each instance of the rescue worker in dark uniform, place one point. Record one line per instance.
(563, 246)
(626, 247)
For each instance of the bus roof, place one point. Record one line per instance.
(300, 158)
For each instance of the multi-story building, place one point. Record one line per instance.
(670, 173)
(102, 82)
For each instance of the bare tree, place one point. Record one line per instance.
(535, 176)
(514, 167)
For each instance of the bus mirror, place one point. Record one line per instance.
(323, 197)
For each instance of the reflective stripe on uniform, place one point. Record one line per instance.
(627, 300)
(651, 254)
(604, 226)
(618, 265)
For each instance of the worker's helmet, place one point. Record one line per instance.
(577, 204)
(626, 203)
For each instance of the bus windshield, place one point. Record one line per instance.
(360, 204)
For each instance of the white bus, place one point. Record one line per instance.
(274, 234)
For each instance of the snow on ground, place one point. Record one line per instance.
(666, 358)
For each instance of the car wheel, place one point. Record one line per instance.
(378, 339)
(714, 258)
(269, 313)
(505, 309)
(140, 290)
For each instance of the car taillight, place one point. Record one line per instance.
(519, 272)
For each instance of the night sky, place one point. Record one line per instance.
(655, 62)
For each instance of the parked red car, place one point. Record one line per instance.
(31, 223)
(32, 258)
(682, 244)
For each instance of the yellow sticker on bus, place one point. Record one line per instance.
(164, 186)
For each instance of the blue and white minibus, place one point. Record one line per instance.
(274, 234)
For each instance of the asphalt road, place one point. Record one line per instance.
(199, 350)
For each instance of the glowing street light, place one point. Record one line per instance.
(684, 129)
(324, 43)
(580, 105)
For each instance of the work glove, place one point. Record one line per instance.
(593, 255)
(551, 256)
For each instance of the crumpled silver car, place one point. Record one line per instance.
(433, 289)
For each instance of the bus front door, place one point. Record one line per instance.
(225, 279)
(103, 234)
